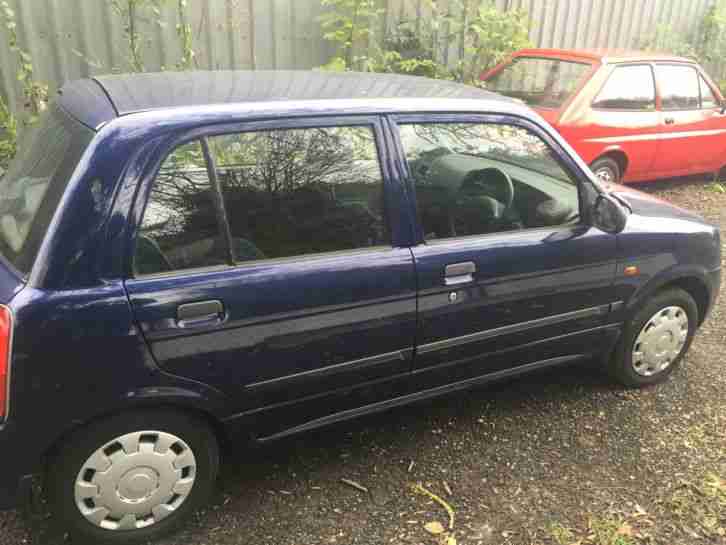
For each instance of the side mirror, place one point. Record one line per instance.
(608, 214)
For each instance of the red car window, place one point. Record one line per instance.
(679, 87)
(538, 81)
(708, 99)
(628, 88)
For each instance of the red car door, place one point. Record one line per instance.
(623, 118)
(693, 132)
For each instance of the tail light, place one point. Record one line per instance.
(6, 333)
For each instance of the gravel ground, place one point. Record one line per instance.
(560, 457)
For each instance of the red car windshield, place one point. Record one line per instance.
(541, 82)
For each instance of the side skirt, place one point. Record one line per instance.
(425, 394)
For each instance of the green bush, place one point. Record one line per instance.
(707, 44)
(481, 34)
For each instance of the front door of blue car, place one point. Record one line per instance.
(509, 274)
(266, 266)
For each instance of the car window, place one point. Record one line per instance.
(540, 82)
(181, 224)
(708, 99)
(33, 185)
(474, 179)
(628, 88)
(282, 193)
(679, 87)
(301, 191)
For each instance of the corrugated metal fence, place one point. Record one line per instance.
(74, 38)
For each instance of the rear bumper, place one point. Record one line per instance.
(714, 286)
(16, 478)
(17, 492)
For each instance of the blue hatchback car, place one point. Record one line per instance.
(193, 257)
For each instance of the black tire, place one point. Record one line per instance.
(607, 167)
(64, 467)
(621, 363)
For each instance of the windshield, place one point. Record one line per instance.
(31, 188)
(540, 82)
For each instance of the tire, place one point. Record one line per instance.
(607, 170)
(642, 360)
(140, 483)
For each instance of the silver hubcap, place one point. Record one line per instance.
(660, 341)
(135, 480)
(605, 175)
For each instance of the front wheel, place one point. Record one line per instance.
(607, 170)
(133, 478)
(656, 339)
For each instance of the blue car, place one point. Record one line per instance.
(190, 259)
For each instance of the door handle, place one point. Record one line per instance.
(200, 313)
(669, 121)
(459, 273)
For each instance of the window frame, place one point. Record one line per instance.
(689, 66)
(703, 82)
(617, 67)
(165, 149)
(562, 157)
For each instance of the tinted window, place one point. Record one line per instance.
(301, 191)
(679, 87)
(628, 88)
(546, 83)
(708, 99)
(181, 224)
(33, 185)
(282, 193)
(473, 179)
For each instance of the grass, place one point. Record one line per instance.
(610, 531)
(560, 534)
(701, 506)
(601, 531)
(716, 187)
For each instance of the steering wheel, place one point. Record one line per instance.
(479, 183)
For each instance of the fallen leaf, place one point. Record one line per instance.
(451, 540)
(625, 530)
(434, 528)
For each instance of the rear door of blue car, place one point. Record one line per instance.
(269, 264)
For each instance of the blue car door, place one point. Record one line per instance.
(510, 276)
(267, 265)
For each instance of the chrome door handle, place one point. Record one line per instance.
(459, 273)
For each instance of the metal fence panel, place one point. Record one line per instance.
(69, 39)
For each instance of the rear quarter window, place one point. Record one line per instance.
(32, 186)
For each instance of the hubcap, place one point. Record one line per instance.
(660, 341)
(135, 480)
(605, 175)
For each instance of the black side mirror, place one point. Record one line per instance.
(608, 214)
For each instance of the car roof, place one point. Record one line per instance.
(96, 101)
(603, 55)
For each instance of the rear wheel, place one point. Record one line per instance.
(607, 170)
(656, 339)
(133, 478)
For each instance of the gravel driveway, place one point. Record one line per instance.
(561, 457)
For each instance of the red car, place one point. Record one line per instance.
(631, 116)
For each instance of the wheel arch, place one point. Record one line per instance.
(178, 401)
(617, 155)
(692, 282)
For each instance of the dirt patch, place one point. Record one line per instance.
(559, 457)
